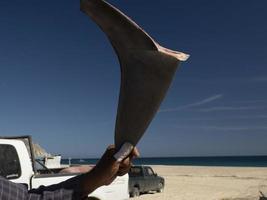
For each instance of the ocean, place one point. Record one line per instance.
(227, 161)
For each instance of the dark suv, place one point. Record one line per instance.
(142, 179)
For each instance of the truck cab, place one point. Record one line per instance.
(17, 163)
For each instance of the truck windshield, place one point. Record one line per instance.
(9, 162)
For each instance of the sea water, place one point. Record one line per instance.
(231, 161)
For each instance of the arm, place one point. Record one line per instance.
(106, 170)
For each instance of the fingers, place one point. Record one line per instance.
(110, 152)
(126, 164)
(124, 167)
(108, 168)
(123, 171)
(124, 151)
(134, 154)
(111, 167)
(112, 146)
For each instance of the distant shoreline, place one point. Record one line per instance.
(218, 161)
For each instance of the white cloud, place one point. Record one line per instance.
(231, 108)
(235, 128)
(252, 101)
(260, 79)
(199, 103)
(236, 117)
(226, 128)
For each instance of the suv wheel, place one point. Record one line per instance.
(136, 192)
(160, 188)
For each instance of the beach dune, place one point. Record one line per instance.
(210, 183)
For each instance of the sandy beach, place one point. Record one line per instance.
(210, 183)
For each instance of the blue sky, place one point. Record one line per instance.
(59, 77)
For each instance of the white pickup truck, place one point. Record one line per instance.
(17, 163)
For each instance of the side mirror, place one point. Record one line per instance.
(155, 174)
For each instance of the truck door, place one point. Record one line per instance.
(148, 178)
(152, 179)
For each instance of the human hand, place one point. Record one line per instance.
(108, 168)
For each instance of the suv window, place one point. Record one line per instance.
(150, 172)
(9, 162)
(135, 171)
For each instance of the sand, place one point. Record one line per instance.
(210, 183)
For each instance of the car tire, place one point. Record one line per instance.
(135, 192)
(160, 188)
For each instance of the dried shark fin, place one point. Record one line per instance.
(147, 70)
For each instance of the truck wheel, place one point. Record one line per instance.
(136, 192)
(160, 188)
